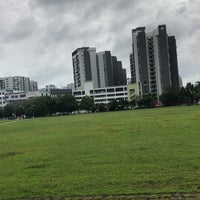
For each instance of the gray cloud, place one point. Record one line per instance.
(37, 37)
(22, 29)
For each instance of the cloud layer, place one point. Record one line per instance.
(37, 37)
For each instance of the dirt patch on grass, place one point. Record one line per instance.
(9, 154)
(170, 196)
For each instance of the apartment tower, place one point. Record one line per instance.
(18, 83)
(102, 69)
(153, 61)
(84, 67)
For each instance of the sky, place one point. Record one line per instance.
(37, 37)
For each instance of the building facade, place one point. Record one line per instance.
(153, 61)
(3, 98)
(9, 96)
(33, 86)
(18, 83)
(106, 94)
(103, 69)
(52, 91)
(84, 66)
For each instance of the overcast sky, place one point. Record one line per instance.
(37, 37)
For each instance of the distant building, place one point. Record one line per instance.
(84, 66)
(59, 92)
(46, 91)
(2, 84)
(180, 82)
(103, 69)
(2, 97)
(19, 96)
(33, 86)
(52, 90)
(106, 94)
(18, 83)
(132, 67)
(153, 62)
(70, 86)
(119, 74)
(9, 96)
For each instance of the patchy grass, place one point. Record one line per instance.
(2, 121)
(133, 152)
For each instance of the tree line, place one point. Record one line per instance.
(67, 104)
(60, 105)
(188, 95)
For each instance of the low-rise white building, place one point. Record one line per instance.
(8, 96)
(2, 98)
(106, 94)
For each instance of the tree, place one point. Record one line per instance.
(171, 97)
(147, 101)
(1, 112)
(38, 107)
(197, 92)
(18, 108)
(190, 92)
(9, 110)
(123, 104)
(113, 105)
(132, 103)
(69, 103)
(57, 105)
(101, 107)
(87, 103)
(184, 99)
(30, 108)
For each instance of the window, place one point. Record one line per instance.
(110, 95)
(110, 90)
(119, 89)
(120, 94)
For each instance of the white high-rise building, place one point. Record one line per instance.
(104, 69)
(100, 69)
(153, 62)
(33, 86)
(18, 83)
(84, 67)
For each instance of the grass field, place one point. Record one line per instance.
(3, 121)
(128, 152)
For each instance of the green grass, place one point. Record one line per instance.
(129, 152)
(3, 121)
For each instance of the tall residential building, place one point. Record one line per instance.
(153, 61)
(2, 84)
(18, 83)
(33, 86)
(102, 69)
(84, 66)
(119, 73)
(124, 77)
(173, 62)
(132, 66)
